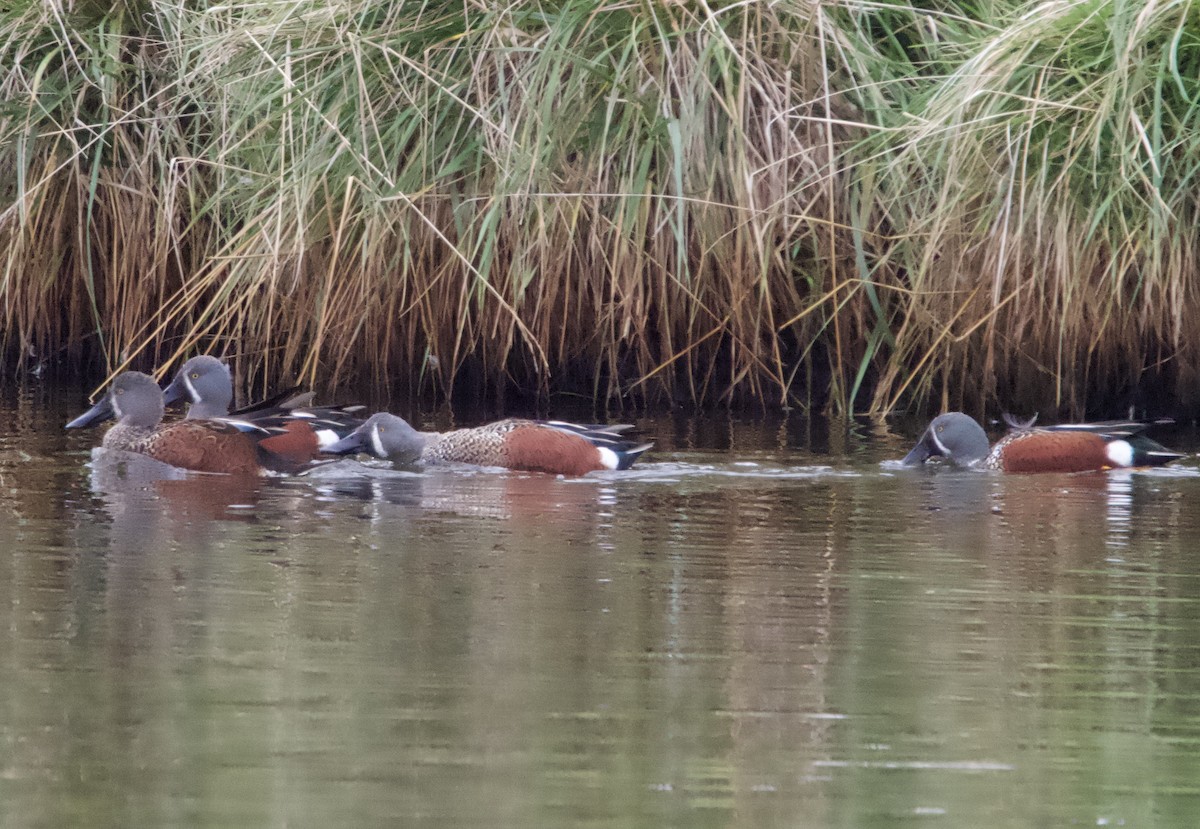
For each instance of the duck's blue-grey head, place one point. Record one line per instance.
(133, 398)
(954, 436)
(205, 383)
(384, 436)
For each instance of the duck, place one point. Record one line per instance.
(550, 446)
(1074, 447)
(136, 402)
(290, 426)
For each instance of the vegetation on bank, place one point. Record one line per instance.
(856, 206)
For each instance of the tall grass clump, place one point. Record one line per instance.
(625, 199)
(1047, 195)
(842, 204)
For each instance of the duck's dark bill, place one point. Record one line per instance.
(356, 441)
(176, 391)
(99, 413)
(919, 454)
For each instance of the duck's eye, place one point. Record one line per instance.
(381, 428)
(195, 375)
(941, 428)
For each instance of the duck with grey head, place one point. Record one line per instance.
(136, 402)
(288, 424)
(1077, 447)
(555, 447)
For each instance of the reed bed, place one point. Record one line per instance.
(1050, 204)
(849, 206)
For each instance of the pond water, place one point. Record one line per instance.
(762, 624)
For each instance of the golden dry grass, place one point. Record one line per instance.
(832, 204)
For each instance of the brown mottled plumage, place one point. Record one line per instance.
(516, 444)
(198, 445)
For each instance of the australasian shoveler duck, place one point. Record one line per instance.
(528, 445)
(287, 425)
(136, 402)
(1080, 447)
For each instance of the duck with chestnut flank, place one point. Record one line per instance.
(548, 446)
(1078, 447)
(136, 402)
(287, 425)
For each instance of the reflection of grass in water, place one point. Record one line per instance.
(674, 202)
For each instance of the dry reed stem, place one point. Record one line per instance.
(657, 202)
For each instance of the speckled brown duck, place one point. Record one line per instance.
(551, 446)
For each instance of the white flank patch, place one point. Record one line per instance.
(376, 443)
(1120, 452)
(608, 458)
(326, 437)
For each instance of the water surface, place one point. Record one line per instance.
(763, 624)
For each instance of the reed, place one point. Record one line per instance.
(831, 204)
(1049, 209)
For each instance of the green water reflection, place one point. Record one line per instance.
(753, 630)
